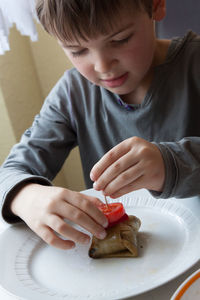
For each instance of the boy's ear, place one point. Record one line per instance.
(159, 10)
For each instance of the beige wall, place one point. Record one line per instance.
(7, 136)
(27, 74)
(49, 59)
(19, 83)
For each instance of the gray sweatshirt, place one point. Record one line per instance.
(77, 112)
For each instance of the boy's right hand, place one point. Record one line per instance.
(44, 209)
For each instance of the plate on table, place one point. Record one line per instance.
(168, 242)
(189, 289)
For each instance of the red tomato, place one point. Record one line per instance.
(122, 219)
(113, 212)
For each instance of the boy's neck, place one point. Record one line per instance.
(139, 94)
(161, 52)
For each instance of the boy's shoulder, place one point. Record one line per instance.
(192, 48)
(71, 79)
(184, 50)
(72, 75)
(190, 42)
(72, 86)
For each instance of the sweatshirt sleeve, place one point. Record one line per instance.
(182, 165)
(42, 150)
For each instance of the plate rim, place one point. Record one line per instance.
(183, 288)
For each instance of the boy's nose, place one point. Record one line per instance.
(103, 64)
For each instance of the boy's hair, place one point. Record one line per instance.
(70, 20)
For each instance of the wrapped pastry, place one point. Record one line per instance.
(121, 239)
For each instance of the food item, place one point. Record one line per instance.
(112, 211)
(121, 240)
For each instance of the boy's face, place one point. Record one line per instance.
(120, 61)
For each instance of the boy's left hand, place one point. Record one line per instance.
(131, 165)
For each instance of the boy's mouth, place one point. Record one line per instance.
(115, 81)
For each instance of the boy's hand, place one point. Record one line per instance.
(131, 165)
(44, 209)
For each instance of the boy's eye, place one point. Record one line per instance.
(122, 41)
(78, 53)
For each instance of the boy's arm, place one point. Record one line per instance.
(174, 171)
(37, 159)
(40, 154)
(44, 209)
(11, 181)
(182, 164)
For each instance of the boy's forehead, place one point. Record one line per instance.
(110, 34)
(119, 24)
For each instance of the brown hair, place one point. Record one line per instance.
(73, 19)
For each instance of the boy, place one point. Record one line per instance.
(131, 105)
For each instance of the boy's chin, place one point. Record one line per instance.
(120, 91)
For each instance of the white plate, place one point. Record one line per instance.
(169, 242)
(189, 289)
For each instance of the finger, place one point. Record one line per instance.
(49, 236)
(124, 179)
(88, 205)
(58, 225)
(108, 159)
(113, 171)
(96, 201)
(133, 186)
(66, 210)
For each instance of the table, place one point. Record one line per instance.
(162, 293)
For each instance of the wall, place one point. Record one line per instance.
(27, 74)
(7, 137)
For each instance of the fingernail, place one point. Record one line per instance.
(91, 176)
(102, 235)
(95, 186)
(105, 224)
